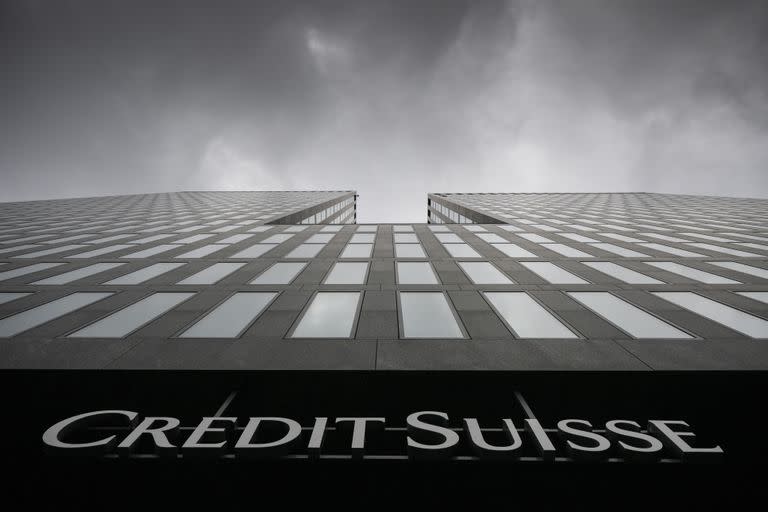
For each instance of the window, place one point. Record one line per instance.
(461, 251)
(740, 267)
(99, 252)
(367, 229)
(203, 251)
(552, 273)
(260, 229)
(276, 239)
(717, 248)
(577, 238)
(759, 296)
(295, 229)
(357, 251)
(11, 296)
(533, 237)
(567, 251)
(525, 317)
(80, 273)
(212, 274)
(621, 251)
(482, 272)
(475, 228)
(192, 239)
(331, 229)
(280, 273)
(740, 321)
(402, 229)
(362, 238)
(428, 315)
(415, 272)
(672, 250)
(230, 318)
(409, 251)
(439, 229)
(151, 251)
(145, 274)
(348, 273)
(691, 273)
(514, 251)
(625, 316)
(39, 315)
(621, 273)
(320, 238)
(46, 252)
(131, 318)
(305, 251)
(406, 238)
(449, 238)
(233, 239)
(254, 251)
(329, 315)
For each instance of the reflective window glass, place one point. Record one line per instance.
(353, 272)
(744, 269)
(737, 320)
(461, 251)
(415, 272)
(80, 273)
(212, 274)
(567, 250)
(329, 315)
(39, 315)
(514, 251)
(526, 317)
(305, 251)
(145, 274)
(203, 251)
(254, 251)
(409, 251)
(691, 273)
(552, 273)
(621, 273)
(357, 251)
(231, 317)
(482, 272)
(428, 315)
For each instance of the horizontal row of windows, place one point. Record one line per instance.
(331, 211)
(422, 315)
(411, 272)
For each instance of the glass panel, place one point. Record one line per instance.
(151, 251)
(103, 250)
(320, 238)
(80, 273)
(514, 251)
(482, 272)
(567, 251)
(415, 272)
(203, 251)
(348, 273)
(526, 317)
(449, 238)
(402, 229)
(439, 229)
(672, 250)
(533, 237)
(475, 229)
(295, 229)
(406, 238)
(46, 252)
(461, 251)
(621, 251)
(627, 317)
(730, 317)
(409, 251)
(39, 315)
(127, 320)
(621, 273)
(234, 239)
(761, 296)
(305, 251)
(362, 238)
(367, 229)
(230, 317)
(276, 239)
(428, 315)
(725, 250)
(740, 267)
(552, 273)
(145, 274)
(254, 251)
(577, 238)
(357, 251)
(280, 273)
(194, 238)
(329, 315)
(11, 296)
(212, 274)
(691, 273)
(331, 229)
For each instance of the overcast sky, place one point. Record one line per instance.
(391, 98)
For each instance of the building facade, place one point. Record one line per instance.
(532, 308)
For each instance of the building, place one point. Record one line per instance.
(643, 318)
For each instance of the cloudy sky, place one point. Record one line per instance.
(391, 98)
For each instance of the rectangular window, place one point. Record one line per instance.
(725, 250)
(402, 229)
(11, 296)
(305, 251)
(133, 317)
(348, 273)
(449, 238)
(212, 274)
(739, 267)
(276, 239)
(194, 238)
(148, 239)
(145, 274)
(331, 229)
(254, 251)
(46, 252)
(514, 251)
(280, 273)
(621, 251)
(362, 238)
(39, 315)
(295, 229)
(415, 272)
(367, 229)
(691, 273)
(357, 251)
(533, 237)
(146, 253)
(461, 251)
(230, 318)
(234, 239)
(102, 251)
(672, 250)
(329, 315)
(525, 317)
(552, 273)
(759, 296)
(428, 315)
(482, 272)
(733, 318)
(567, 250)
(621, 238)
(632, 320)
(406, 238)
(260, 229)
(320, 238)
(475, 229)
(203, 251)
(621, 273)
(80, 273)
(409, 251)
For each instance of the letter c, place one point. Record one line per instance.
(52, 436)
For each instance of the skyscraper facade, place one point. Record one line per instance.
(532, 308)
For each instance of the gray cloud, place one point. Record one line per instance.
(393, 98)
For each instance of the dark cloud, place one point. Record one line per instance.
(393, 98)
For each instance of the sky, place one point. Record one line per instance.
(393, 99)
